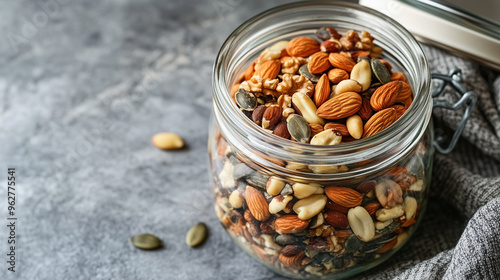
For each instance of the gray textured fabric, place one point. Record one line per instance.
(458, 238)
(83, 90)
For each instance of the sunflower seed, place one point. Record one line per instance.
(380, 71)
(298, 128)
(246, 100)
(145, 241)
(197, 235)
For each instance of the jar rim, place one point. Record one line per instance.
(251, 137)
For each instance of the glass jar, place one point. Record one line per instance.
(308, 211)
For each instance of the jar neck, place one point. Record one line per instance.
(301, 19)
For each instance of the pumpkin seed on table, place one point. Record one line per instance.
(167, 141)
(146, 241)
(197, 234)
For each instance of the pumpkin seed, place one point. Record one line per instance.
(241, 170)
(304, 71)
(338, 263)
(287, 189)
(286, 239)
(257, 179)
(246, 100)
(197, 235)
(372, 247)
(380, 71)
(353, 243)
(298, 128)
(384, 238)
(146, 241)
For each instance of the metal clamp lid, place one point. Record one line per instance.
(468, 99)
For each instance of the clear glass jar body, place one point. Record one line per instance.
(309, 211)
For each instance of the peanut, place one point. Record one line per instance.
(301, 190)
(167, 141)
(354, 125)
(307, 108)
(327, 137)
(309, 207)
(385, 214)
(362, 73)
(361, 223)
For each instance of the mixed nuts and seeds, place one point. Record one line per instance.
(322, 93)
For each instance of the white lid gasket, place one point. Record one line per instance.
(442, 26)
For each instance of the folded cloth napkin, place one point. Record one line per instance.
(459, 234)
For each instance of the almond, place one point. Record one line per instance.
(292, 262)
(315, 128)
(356, 54)
(318, 63)
(248, 74)
(400, 110)
(371, 208)
(405, 93)
(290, 250)
(281, 130)
(336, 219)
(340, 61)
(234, 89)
(344, 196)
(340, 106)
(290, 224)
(398, 76)
(385, 96)
(331, 45)
(339, 127)
(302, 46)
(386, 64)
(322, 90)
(379, 122)
(366, 186)
(366, 111)
(257, 204)
(271, 117)
(269, 69)
(408, 102)
(331, 206)
(337, 75)
(258, 113)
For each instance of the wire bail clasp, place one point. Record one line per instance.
(468, 99)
